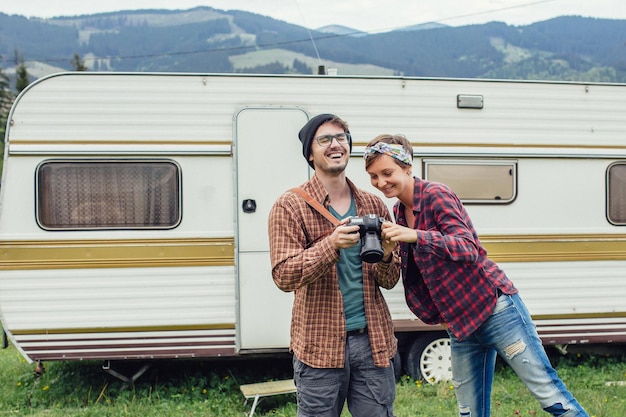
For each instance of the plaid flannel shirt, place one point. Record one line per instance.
(304, 261)
(450, 279)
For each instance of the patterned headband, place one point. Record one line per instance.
(391, 149)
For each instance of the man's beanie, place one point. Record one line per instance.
(307, 133)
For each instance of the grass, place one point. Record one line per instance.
(188, 388)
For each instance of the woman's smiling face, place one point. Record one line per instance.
(389, 177)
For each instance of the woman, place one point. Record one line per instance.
(449, 279)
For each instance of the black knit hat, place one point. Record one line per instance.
(307, 133)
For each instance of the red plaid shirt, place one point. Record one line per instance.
(304, 261)
(447, 276)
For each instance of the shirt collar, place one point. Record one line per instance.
(417, 197)
(319, 193)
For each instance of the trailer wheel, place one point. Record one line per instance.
(428, 358)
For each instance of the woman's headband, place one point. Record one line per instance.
(393, 150)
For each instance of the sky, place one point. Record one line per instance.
(366, 15)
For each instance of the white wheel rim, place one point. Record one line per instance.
(435, 361)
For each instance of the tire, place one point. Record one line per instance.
(428, 358)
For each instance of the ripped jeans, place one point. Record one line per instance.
(510, 333)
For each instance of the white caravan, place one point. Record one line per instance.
(133, 206)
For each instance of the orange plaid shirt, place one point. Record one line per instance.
(304, 261)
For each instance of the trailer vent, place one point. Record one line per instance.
(468, 101)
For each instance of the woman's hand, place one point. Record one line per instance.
(396, 233)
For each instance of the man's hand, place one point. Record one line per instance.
(344, 237)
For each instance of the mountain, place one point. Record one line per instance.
(341, 30)
(421, 26)
(204, 39)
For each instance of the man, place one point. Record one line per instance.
(341, 329)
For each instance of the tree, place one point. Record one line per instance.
(78, 64)
(300, 67)
(6, 100)
(22, 78)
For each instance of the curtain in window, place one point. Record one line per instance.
(130, 194)
(617, 194)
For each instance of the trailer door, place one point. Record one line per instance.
(269, 161)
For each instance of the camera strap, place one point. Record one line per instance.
(316, 205)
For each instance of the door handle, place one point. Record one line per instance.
(248, 205)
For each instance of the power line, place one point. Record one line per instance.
(519, 6)
(319, 60)
(445, 19)
(201, 51)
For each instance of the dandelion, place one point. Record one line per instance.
(46, 388)
(451, 386)
(204, 391)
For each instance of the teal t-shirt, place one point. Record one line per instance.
(350, 274)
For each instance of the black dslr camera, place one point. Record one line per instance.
(371, 243)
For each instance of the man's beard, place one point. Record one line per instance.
(337, 168)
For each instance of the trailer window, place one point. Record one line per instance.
(616, 194)
(99, 194)
(475, 181)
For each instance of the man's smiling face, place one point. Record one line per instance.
(334, 157)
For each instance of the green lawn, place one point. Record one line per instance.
(211, 388)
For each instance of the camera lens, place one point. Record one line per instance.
(371, 249)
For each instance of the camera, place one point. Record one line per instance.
(371, 243)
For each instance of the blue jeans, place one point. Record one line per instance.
(510, 333)
(370, 390)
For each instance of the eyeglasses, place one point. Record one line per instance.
(325, 140)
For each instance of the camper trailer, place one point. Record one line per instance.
(133, 206)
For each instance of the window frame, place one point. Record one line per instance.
(84, 161)
(511, 163)
(608, 194)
